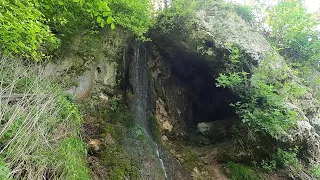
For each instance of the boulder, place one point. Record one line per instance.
(217, 131)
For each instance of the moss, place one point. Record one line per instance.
(114, 156)
(118, 162)
(241, 172)
(117, 112)
(155, 129)
(116, 131)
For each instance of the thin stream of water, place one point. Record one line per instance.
(140, 84)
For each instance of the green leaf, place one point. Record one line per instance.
(110, 20)
(107, 8)
(99, 19)
(21, 44)
(113, 26)
(105, 14)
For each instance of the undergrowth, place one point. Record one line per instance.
(241, 172)
(283, 159)
(39, 126)
(264, 94)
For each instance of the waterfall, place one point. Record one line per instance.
(142, 103)
(139, 82)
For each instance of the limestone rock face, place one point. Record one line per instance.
(92, 63)
(207, 41)
(304, 135)
(223, 28)
(210, 36)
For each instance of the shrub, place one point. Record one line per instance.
(283, 159)
(262, 95)
(287, 159)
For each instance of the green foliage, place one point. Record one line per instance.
(246, 12)
(283, 159)
(23, 30)
(4, 170)
(71, 16)
(179, 15)
(287, 159)
(31, 28)
(262, 95)
(135, 16)
(67, 109)
(241, 172)
(67, 154)
(291, 27)
(315, 170)
(13, 129)
(269, 166)
(40, 125)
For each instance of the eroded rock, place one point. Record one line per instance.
(217, 131)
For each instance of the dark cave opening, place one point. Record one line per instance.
(209, 103)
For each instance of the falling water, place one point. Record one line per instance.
(141, 105)
(139, 82)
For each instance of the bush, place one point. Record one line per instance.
(287, 159)
(263, 96)
(283, 159)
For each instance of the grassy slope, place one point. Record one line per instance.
(39, 126)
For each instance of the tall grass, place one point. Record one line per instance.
(39, 126)
(241, 172)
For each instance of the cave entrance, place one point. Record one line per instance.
(212, 114)
(209, 103)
